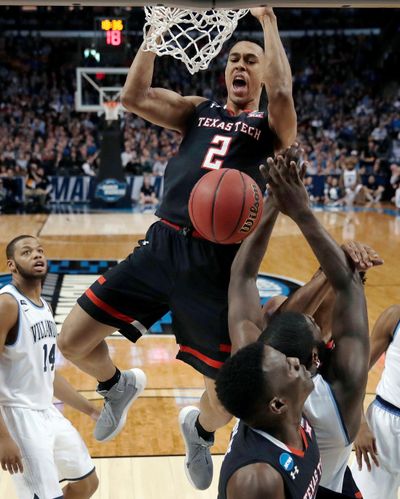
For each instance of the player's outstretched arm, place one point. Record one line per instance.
(158, 105)
(278, 80)
(245, 316)
(67, 393)
(10, 455)
(348, 367)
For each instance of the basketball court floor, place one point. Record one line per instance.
(146, 460)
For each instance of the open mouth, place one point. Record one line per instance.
(239, 83)
(39, 266)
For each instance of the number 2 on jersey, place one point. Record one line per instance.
(210, 161)
(49, 360)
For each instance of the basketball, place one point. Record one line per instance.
(225, 206)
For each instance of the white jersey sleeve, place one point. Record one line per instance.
(389, 384)
(323, 413)
(27, 366)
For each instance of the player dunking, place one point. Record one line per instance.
(175, 269)
(38, 446)
(379, 435)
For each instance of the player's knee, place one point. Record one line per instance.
(64, 342)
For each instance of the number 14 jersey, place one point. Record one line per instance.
(27, 365)
(214, 139)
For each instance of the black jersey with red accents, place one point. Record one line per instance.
(214, 139)
(300, 470)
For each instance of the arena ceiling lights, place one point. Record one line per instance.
(206, 4)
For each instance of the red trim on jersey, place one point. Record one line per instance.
(193, 233)
(101, 280)
(358, 495)
(225, 348)
(299, 452)
(107, 308)
(211, 362)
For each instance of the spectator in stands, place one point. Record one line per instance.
(159, 165)
(334, 194)
(372, 190)
(147, 192)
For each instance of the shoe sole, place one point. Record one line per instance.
(140, 383)
(182, 415)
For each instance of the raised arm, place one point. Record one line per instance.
(348, 369)
(10, 455)
(245, 317)
(278, 80)
(158, 105)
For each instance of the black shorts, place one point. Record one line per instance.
(170, 270)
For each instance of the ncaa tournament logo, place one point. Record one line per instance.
(67, 280)
(287, 463)
(110, 190)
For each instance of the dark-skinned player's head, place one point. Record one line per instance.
(26, 258)
(244, 73)
(296, 335)
(261, 386)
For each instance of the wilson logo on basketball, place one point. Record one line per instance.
(253, 211)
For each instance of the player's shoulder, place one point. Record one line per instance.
(254, 481)
(8, 301)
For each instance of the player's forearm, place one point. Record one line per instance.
(248, 259)
(330, 256)
(138, 81)
(277, 73)
(309, 297)
(67, 394)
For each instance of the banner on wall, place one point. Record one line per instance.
(81, 189)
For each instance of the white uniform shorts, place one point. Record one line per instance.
(382, 482)
(52, 451)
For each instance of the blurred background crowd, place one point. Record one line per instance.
(346, 90)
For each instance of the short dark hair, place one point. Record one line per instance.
(10, 249)
(240, 383)
(291, 334)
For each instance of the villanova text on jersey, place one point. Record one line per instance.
(43, 329)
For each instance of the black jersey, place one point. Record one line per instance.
(214, 139)
(300, 471)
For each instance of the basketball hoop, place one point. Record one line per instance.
(111, 109)
(193, 37)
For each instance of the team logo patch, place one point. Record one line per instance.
(23, 302)
(286, 461)
(67, 280)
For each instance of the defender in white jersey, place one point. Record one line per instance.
(38, 446)
(379, 435)
(332, 409)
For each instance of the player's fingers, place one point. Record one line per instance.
(275, 174)
(366, 459)
(303, 170)
(4, 465)
(264, 169)
(351, 250)
(364, 256)
(20, 466)
(358, 457)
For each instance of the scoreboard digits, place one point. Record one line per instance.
(113, 29)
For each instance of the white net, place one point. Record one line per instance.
(193, 37)
(111, 110)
